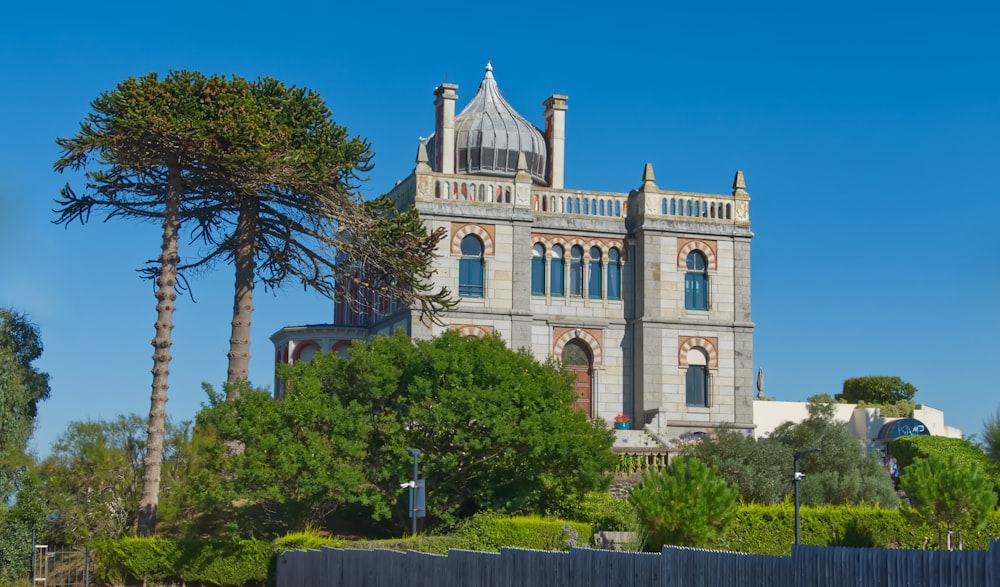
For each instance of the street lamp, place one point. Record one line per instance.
(415, 490)
(795, 481)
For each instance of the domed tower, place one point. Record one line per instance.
(486, 137)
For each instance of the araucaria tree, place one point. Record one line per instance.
(259, 172)
(686, 504)
(286, 208)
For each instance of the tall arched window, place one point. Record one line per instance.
(576, 271)
(696, 282)
(614, 275)
(595, 276)
(558, 272)
(538, 270)
(696, 378)
(470, 268)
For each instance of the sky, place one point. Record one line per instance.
(869, 134)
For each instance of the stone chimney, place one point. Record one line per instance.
(555, 139)
(444, 128)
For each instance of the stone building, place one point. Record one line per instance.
(644, 295)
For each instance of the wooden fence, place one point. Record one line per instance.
(816, 566)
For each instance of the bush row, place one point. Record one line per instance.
(761, 529)
(248, 562)
(758, 529)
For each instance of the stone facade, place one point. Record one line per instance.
(617, 307)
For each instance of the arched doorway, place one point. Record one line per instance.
(577, 360)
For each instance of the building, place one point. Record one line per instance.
(643, 294)
(866, 422)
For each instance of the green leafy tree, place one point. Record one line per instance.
(259, 173)
(17, 521)
(880, 389)
(991, 436)
(686, 504)
(841, 472)
(300, 459)
(496, 429)
(949, 493)
(757, 468)
(93, 478)
(22, 386)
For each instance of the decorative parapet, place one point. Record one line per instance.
(688, 206)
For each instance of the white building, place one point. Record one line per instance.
(644, 294)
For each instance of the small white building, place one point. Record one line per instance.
(864, 422)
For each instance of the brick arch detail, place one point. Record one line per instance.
(483, 231)
(305, 344)
(685, 246)
(605, 244)
(472, 329)
(591, 337)
(709, 344)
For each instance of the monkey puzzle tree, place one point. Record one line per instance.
(287, 209)
(257, 171)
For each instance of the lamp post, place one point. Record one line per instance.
(795, 481)
(415, 453)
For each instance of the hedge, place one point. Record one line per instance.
(906, 449)
(770, 529)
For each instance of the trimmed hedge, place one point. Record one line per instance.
(490, 532)
(770, 529)
(906, 449)
(240, 562)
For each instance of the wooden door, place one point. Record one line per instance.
(576, 359)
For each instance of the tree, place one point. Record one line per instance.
(152, 142)
(991, 436)
(757, 468)
(840, 473)
(949, 493)
(287, 209)
(879, 390)
(92, 480)
(22, 386)
(686, 504)
(257, 171)
(17, 521)
(496, 429)
(910, 449)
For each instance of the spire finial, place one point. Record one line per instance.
(648, 179)
(739, 184)
(489, 64)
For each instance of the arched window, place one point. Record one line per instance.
(576, 271)
(558, 272)
(595, 277)
(614, 275)
(538, 270)
(696, 282)
(470, 268)
(696, 378)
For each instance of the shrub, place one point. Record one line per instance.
(490, 532)
(241, 562)
(907, 449)
(602, 511)
(687, 504)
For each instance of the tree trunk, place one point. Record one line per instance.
(245, 260)
(166, 282)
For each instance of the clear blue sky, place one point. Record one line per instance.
(869, 133)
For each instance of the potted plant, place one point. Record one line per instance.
(622, 422)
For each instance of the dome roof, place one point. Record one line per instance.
(489, 134)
